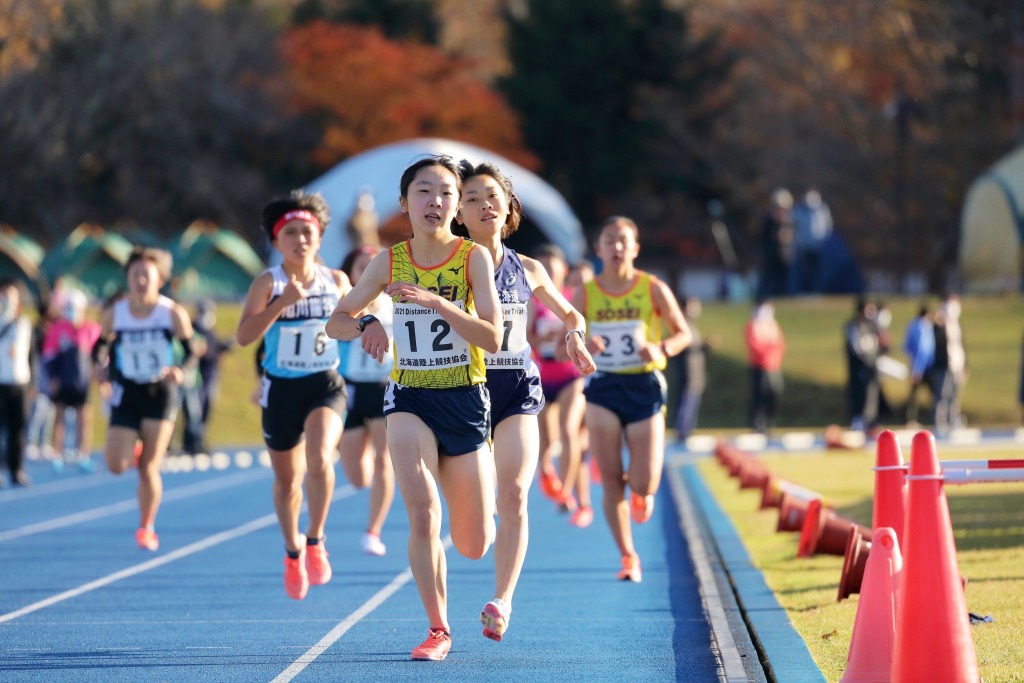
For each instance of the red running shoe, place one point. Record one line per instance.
(550, 485)
(318, 567)
(583, 517)
(147, 539)
(435, 647)
(630, 569)
(641, 507)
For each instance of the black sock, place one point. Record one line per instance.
(294, 554)
(314, 541)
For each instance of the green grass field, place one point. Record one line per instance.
(988, 529)
(814, 366)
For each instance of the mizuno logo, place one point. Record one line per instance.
(456, 270)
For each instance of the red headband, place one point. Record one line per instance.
(301, 214)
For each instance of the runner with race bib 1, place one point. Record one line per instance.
(302, 396)
(626, 309)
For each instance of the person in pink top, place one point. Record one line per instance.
(66, 354)
(765, 347)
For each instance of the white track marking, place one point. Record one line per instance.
(191, 549)
(131, 504)
(364, 610)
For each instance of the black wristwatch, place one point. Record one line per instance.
(364, 321)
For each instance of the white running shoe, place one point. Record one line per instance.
(494, 616)
(372, 545)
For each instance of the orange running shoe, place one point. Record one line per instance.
(147, 539)
(318, 567)
(494, 616)
(435, 647)
(550, 485)
(583, 517)
(296, 580)
(630, 569)
(566, 501)
(641, 507)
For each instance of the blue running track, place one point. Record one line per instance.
(80, 602)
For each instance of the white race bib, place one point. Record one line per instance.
(514, 349)
(306, 347)
(425, 341)
(143, 358)
(622, 342)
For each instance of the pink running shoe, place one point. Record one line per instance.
(296, 580)
(147, 539)
(318, 567)
(435, 647)
(630, 569)
(494, 616)
(583, 517)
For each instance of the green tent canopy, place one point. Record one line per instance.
(213, 262)
(20, 258)
(91, 259)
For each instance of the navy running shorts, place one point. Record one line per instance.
(288, 401)
(633, 398)
(460, 418)
(514, 392)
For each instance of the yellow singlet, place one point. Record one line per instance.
(428, 352)
(625, 321)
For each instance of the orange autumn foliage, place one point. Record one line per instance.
(367, 90)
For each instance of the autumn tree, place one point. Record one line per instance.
(150, 112)
(365, 90)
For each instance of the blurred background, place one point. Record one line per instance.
(141, 117)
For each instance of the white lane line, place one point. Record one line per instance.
(191, 549)
(180, 493)
(85, 481)
(364, 610)
(729, 655)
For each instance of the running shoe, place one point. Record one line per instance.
(435, 647)
(87, 465)
(566, 501)
(583, 517)
(372, 545)
(494, 616)
(630, 569)
(550, 485)
(641, 507)
(147, 539)
(296, 580)
(318, 567)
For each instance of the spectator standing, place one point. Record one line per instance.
(209, 349)
(766, 346)
(948, 403)
(692, 372)
(812, 225)
(67, 350)
(777, 247)
(15, 375)
(919, 345)
(862, 346)
(39, 431)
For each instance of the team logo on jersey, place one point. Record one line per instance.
(510, 279)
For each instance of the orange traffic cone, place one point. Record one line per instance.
(754, 474)
(792, 511)
(933, 633)
(890, 485)
(855, 561)
(874, 627)
(824, 532)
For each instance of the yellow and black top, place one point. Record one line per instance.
(428, 352)
(624, 321)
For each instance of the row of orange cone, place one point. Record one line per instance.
(912, 621)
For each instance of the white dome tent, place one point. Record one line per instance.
(378, 171)
(992, 228)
